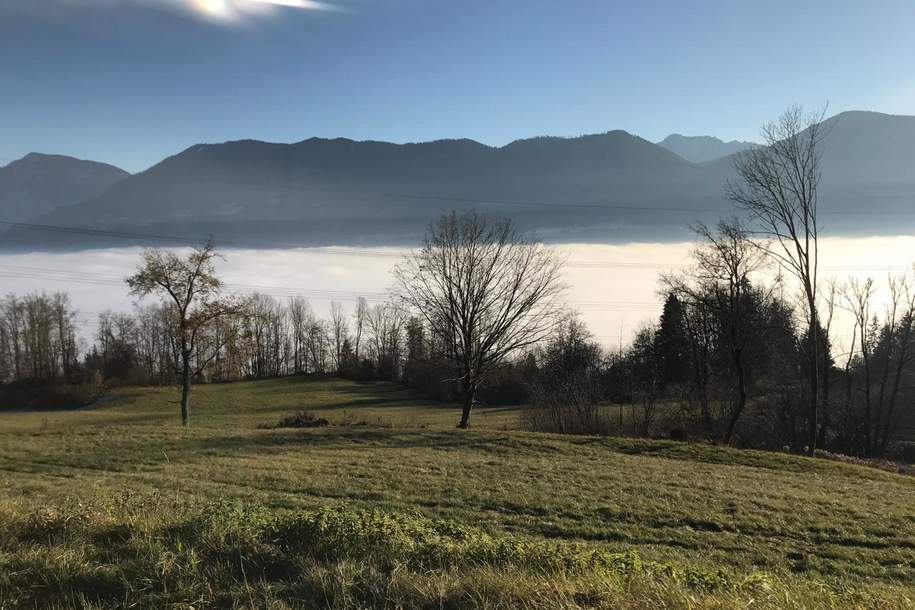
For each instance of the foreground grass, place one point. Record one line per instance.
(121, 491)
(227, 555)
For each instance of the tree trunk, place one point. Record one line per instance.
(647, 407)
(465, 414)
(900, 365)
(814, 380)
(867, 403)
(736, 358)
(185, 390)
(469, 397)
(825, 408)
(737, 410)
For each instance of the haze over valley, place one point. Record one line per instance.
(613, 287)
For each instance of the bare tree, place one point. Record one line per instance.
(300, 317)
(340, 333)
(385, 323)
(13, 322)
(317, 342)
(778, 186)
(66, 333)
(359, 317)
(832, 295)
(644, 377)
(484, 289)
(720, 285)
(898, 333)
(37, 337)
(194, 293)
(857, 296)
(893, 340)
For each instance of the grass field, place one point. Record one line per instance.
(391, 506)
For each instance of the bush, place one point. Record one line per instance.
(303, 419)
(568, 406)
(48, 395)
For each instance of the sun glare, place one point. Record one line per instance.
(230, 10)
(218, 9)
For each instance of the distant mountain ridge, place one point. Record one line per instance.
(702, 149)
(613, 186)
(339, 190)
(37, 184)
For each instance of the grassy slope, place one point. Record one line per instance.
(799, 519)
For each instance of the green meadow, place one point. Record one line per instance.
(390, 506)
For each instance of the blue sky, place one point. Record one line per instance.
(132, 81)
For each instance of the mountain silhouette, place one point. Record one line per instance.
(701, 149)
(605, 187)
(37, 184)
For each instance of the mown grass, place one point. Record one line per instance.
(118, 494)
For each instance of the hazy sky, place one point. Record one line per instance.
(132, 81)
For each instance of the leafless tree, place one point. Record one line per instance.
(11, 317)
(339, 331)
(37, 337)
(318, 344)
(832, 295)
(857, 296)
(777, 186)
(385, 324)
(359, 317)
(300, 318)
(899, 330)
(484, 289)
(194, 293)
(893, 340)
(720, 285)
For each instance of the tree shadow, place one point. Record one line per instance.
(325, 438)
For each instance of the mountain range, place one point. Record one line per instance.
(701, 149)
(605, 187)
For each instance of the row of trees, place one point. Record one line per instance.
(264, 338)
(728, 362)
(37, 337)
(256, 337)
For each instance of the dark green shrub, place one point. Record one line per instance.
(303, 419)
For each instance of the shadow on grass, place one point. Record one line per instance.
(335, 436)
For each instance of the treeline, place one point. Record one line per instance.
(723, 362)
(38, 339)
(686, 377)
(271, 338)
(729, 361)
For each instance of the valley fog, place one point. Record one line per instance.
(613, 287)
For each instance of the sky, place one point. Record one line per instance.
(130, 82)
